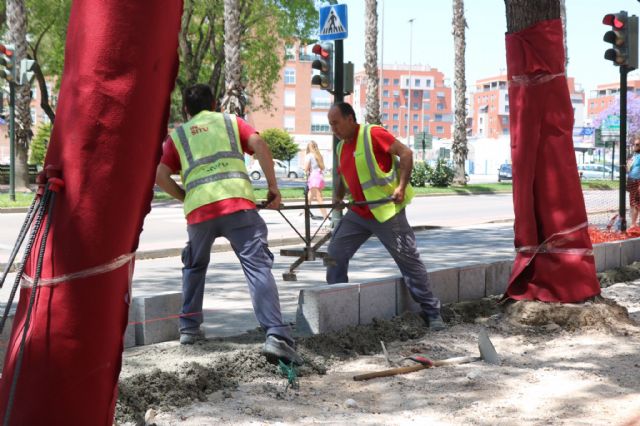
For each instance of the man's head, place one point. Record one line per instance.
(197, 98)
(636, 144)
(342, 119)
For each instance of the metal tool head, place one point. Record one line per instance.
(487, 350)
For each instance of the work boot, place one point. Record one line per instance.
(189, 338)
(433, 321)
(277, 349)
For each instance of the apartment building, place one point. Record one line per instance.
(606, 94)
(297, 107)
(413, 99)
(489, 106)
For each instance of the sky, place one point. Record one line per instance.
(485, 53)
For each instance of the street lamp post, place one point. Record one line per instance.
(409, 88)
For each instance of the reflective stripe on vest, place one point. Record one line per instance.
(213, 153)
(375, 180)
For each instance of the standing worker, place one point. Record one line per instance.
(314, 167)
(219, 202)
(633, 181)
(374, 165)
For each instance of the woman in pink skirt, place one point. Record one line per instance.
(314, 166)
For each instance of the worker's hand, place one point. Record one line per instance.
(274, 199)
(398, 195)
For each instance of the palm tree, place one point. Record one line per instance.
(234, 99)
(17, 25)
(459, 146)
(371, 62)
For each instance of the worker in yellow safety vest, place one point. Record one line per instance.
(375, 167)
(208, 152)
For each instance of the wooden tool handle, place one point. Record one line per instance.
(390, 372)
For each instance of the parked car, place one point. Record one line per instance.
(504, 172)
(597, 171)
(280, 167)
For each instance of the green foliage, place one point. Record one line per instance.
(442, 175)
(280, 143)
(420, 174)
(266, 27)
(39, 144)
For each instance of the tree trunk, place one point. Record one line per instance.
(522, 14)
(459, 147)
(17, 24)
(371, 62)
(234, 99)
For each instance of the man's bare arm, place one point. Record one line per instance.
(406, 165)
(166, 182)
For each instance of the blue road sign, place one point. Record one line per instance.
(333, 22)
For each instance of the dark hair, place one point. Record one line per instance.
(346, 110)
(197, 98)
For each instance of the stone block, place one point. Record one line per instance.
(377, 300)
(404, 301)
(445, 284)
(599, 256)
(130, 332)
(627, 252)
(327, 308)
(497, 277)
(612, 255)
(471, 282)
(156, 317)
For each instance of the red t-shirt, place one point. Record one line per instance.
(171, 159)
(382, 141)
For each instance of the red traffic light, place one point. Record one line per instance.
(616, 20)
(319, 50)
(5, 50)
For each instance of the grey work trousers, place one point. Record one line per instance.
(247, 233)
(398, 238)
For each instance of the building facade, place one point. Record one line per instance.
(607, 94)
(489, 106)
(412, 100)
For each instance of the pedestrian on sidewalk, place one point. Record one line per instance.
(219, 201)
(374, 165)
(314, 167)
(633, 181)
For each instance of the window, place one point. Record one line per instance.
(385, 104)
(426, 95)
(406, 82)
(416, 82)
(385, 93)
(395, 117)
(290, 123)
(438, 117)
(289, 76)
(440, 107)
(396, 105)
(415, 106)
(427, 106)
(289, 53)
(396, 81)
(395, 128)
(290, 98)
(415, 117)
(319, 122)
(426, 117)
(320, 99)
(415, 129)
(416, 93)
(439, 129)
(385, 82)
(396, 93)
(385, 116)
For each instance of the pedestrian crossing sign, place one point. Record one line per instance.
(333, 22)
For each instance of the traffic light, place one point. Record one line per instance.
(25, 76)
(624, 38)
(7, 62)
(324, 64)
